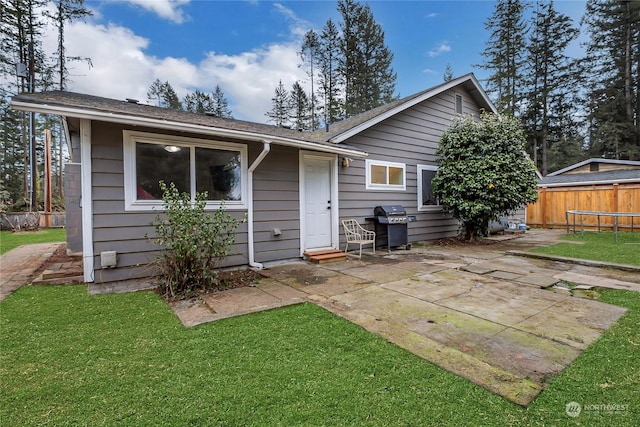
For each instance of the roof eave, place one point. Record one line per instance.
(82, 113)
(410, 103)
(583, 183)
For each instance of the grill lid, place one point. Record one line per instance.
(389, 210)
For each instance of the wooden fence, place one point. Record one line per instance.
(553, 203)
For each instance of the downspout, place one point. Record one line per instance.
(265, 150)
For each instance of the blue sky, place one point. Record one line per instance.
(248, 46)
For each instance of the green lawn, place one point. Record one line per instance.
(10, 240)
(599, 247)
(68, 359)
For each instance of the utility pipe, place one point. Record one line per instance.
(265, 150)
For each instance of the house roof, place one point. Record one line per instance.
(84, 106)
(345, 129)
(77, 105)
(606, 177)
(588, 161)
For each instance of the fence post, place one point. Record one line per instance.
(615, 197)
(543, 206)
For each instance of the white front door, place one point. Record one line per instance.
(316, 203)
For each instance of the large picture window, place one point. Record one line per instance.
(193, 165)
(426, 199)
(385, 175)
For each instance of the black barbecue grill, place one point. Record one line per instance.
(391, 226)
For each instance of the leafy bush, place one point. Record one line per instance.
(483, 172)
(194, 242)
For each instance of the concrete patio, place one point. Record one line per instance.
(490, 317)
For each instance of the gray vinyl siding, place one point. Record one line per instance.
(410, 137)
(275, 205)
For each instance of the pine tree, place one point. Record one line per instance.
(65, 11)
(299, 108)
(220, 104)
(613, 59)
(448, 73)
(198, 102)
(280, 107)
(163, 95)
(369, 79)
(310, 55)
(551, 78)
(21, 34)
(329, 90)
(504, 54)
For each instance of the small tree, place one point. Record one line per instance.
(193, 240)
(484, 172)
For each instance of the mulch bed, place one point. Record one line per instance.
(59, 257)
(227, 279)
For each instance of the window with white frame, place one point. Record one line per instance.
(458, 105)
(426, 199)
(385, 175)
(193, 165)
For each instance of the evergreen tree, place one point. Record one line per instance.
(448, 73)
(65, 11)
(613, 58)
(21, 34)
(310, 55)
(199, 102)
(280, 107)
(551, 78)
(163, 95)
(505, 53)
(329, 90)
(299, 108)
(220, 104)
(369, 79)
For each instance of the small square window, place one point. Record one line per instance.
(385, 175)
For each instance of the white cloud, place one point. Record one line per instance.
(431, 15)
(429, 71)
(122, 68)
(443, 47)
(166, 9)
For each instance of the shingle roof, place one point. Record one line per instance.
(114, 106)
(468, 81)
(581, 178)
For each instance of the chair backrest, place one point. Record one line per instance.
(351, 226)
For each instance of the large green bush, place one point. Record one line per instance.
(193, 241)
(484, 172)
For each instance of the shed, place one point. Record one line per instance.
(595, 185)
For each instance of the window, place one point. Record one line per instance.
(193, 165)
(458, 104)
(385, 175)
(426, 199)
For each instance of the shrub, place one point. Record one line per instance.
(483, 172)
(194, 242)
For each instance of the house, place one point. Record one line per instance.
(594, 185)
(294, 187)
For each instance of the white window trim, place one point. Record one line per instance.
(422, 207)
(130, 138)
(385, 187)
(455, 103)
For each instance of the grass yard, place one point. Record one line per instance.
(10, 240)
(599, 247)
(68, 359)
